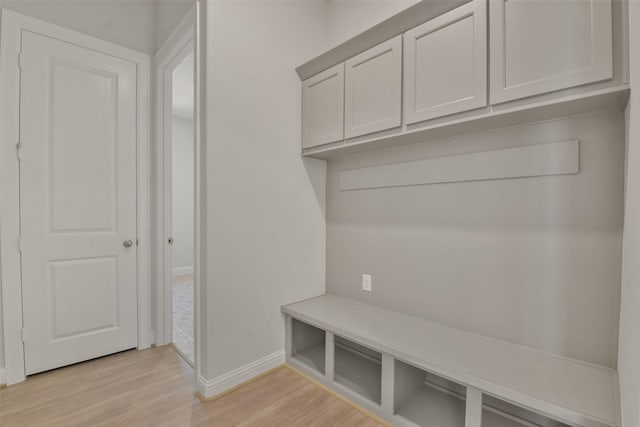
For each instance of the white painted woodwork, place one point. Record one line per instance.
(424, 399)
(445, 64)
(308, 345)
(407, 380)
(498, 419)
(323, 107)
(543, 46)
(78, 202)
(169, 56)
(498, 413)
(358, 369)
(397, 24)
(388, 383)
(614, 98)
(541, 382)
(429, 406)
(473, 410)
(373, 89)
(328, 356)
(556, 158)
(288, 331)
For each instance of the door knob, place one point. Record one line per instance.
(127, 243)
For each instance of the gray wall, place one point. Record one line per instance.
(264, 211)
(534, 261)
(182, 158)
(629, 351)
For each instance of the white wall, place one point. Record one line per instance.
(182, 177)
(265, 226)
(629, 350)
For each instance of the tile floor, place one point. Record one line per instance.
(183, 315)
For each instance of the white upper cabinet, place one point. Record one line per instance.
(445, 64)
(323, 107)
(542, 46)
(373, 89)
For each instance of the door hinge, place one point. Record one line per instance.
(19, 149)
(23, 334)
(19, 244)
(20, 60)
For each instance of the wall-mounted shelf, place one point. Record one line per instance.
(423, 363)
(481, 120)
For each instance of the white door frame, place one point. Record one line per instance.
(169, 56)
(13, 24)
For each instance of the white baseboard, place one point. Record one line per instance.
(3, 377)
(211, 388)
(179, 271)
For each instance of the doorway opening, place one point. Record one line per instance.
(108, 173)
(181, 240)
(177, 189)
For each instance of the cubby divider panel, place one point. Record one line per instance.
(498, 413)
(426, 399)
(358, 368)
(308, 345)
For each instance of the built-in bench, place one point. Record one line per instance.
(414, 372)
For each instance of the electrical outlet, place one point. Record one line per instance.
(366, 282)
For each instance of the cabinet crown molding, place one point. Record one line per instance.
(409, 18)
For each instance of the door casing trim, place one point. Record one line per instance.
(13, 24)
(186, 37)
(179, 44)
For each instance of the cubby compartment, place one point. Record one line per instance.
(358, 368)
(428, 385)
(498, 413)
(426, 399)
(308, 345)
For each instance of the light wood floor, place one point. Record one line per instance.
(155, 388)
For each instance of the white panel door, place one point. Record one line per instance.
(373, 89)
(445, 59)
(323, 107)
(542, 46)
(78, 203)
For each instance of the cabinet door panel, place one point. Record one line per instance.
(446, 64)
(323, 107)
(373, 88)
(543, 46)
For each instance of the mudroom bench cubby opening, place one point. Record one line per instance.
(412, 372)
